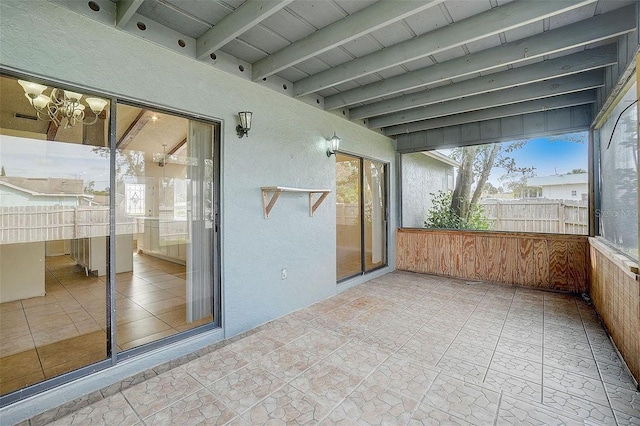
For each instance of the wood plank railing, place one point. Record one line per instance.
(543, 261)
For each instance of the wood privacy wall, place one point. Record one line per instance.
(616, 296)
(544, 261)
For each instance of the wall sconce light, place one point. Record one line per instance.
(245, 123)
(334, 144)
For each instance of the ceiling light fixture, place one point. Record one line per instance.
(334, 145)
(245, 123)
(63, 107)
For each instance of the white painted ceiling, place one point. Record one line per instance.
(391, 64)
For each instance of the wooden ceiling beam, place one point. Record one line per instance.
(251, 13)
(544, 89)
(364, 21)
(602, 27)
(554, 68)
(134, 128)
(497, 20)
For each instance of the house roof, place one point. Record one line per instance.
(46, 187)
(442, 158)
(396, 66)
(557, 180)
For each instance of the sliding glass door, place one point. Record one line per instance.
(108, 240)
(165, 231)
(361, 215)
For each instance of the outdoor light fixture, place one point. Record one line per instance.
(245, 123)
(63, 107)
(334, 144)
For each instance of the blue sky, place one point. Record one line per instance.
(549, 156)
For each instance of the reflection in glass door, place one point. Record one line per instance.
(165, 232)
(361, 206)
(54, 224)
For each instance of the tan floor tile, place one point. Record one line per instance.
(287, 406)
(163, 306)
(147, 339)
(129, 314)
(196, 409)
(54, 335)
(10, 306)
(14, 345)
(152, 297)
(68, 350)
(47, 322)
(140, 328)
(20, 382)
(77, 360)
(160, 392)
(244, 388)
(18, 365)
(112, 411)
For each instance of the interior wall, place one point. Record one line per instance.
(286, 147)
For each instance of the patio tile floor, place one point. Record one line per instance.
(400, 349)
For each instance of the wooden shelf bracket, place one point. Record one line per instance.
(275, 191)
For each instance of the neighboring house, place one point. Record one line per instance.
(424, 173)
(573, 187)
(18, 191)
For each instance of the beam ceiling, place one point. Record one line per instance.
(497, 20)
(397, 66)
(602, 27)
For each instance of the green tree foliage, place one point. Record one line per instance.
(442, 215)
(577, 171)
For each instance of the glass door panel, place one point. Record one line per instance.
(375, 224)
(165, 228)
(54, 223)
(348, 217)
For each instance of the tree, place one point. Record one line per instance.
(2, 172)
(476, 164)
(577, 171)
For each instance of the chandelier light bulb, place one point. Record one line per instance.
(96, 104)
(32, 90)
(72, 96)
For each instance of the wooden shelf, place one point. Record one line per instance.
(275, 191)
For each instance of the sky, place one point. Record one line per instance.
(22, 157)
(549, 157)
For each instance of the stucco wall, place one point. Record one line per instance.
(563, 192)
(421, 176)
(286, 146)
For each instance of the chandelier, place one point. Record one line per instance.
(63, 107)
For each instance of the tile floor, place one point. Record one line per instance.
(43, 337)
(401, 349)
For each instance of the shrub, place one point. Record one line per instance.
(440, 215)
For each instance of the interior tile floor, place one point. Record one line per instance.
(43, 337)
(401, 349)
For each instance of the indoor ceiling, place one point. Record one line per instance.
(394, 66)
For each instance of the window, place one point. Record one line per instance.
(518, 186)
(135, 198)
(618, 211)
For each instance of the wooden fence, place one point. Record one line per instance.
(549, 216)
(543, 261)
(25, 224)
